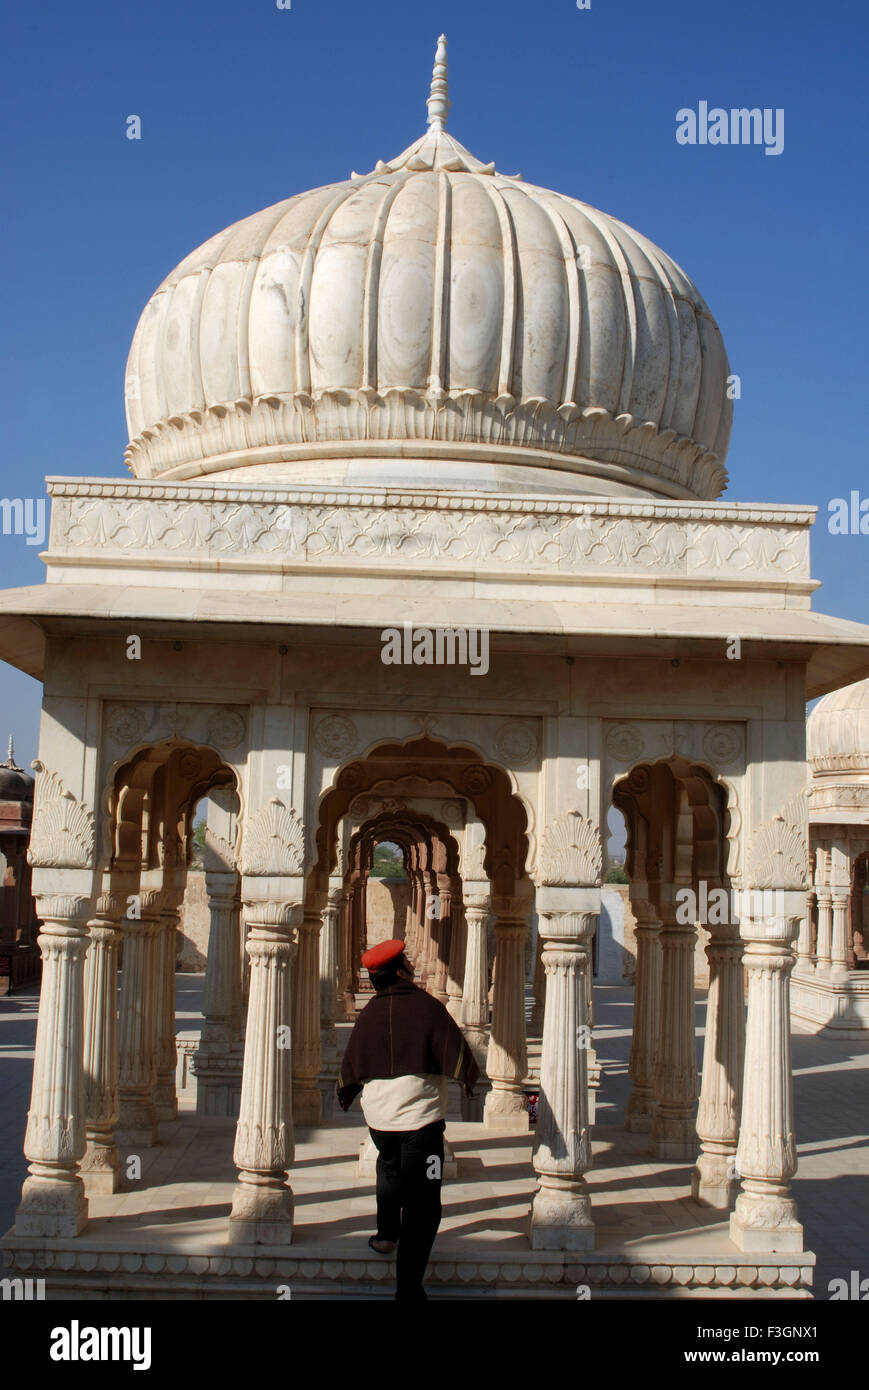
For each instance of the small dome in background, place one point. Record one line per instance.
(15, 783)
(432, 322)
(837, 733)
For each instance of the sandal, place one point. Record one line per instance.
(390, 1243)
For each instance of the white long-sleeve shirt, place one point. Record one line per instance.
(404, 1102)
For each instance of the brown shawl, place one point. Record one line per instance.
(404, 1031)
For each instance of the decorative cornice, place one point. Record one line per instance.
(99, 524)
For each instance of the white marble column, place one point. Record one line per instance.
(475, 989)
(329, 956)
(825, 930)
(262, 1205)
(640, 1109)
(53, 1202)
(441, 930)
(714, 1181)
(307, 1058)
(765, 1216)
(221, 997)
(840, 949)
(561, 1210)
(165, 1052)
(456, 967)
(507, 1061)
(101, 1166)
(804, 941)
(539, 989)
(137, 1125)
(673, 1135)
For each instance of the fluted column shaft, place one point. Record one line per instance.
(262, 1206)
(840, 947)
(307, 1056)
(137, 1030)
(539, 988)
(561, 1210)
(329, 957)
(165, 1051)
(475, 989)
(507, 1061)
(765, 1216)
(221, 999)
(714, 1181)
(825, 929)
(53, 1203)
(101, 1166)
(804, 942)
(456, 966)
(673, 1134)
(640, 1110)
(441, 931)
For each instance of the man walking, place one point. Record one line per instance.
(401, 1054)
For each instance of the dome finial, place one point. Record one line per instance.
(439, 99)
(10, 753)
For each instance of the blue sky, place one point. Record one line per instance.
(243, 104)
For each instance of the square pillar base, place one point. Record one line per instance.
(560, 1222)
(754, 1239)
(52, 1208)
(261, 1215)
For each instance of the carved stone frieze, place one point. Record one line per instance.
(63, 830)
(559, 536)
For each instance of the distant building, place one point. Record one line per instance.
(19, 953)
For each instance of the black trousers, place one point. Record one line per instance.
(409, 1168)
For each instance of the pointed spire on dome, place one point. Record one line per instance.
(439, 98)
(436, 150)
(10, 753)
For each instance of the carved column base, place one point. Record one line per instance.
(640, 1110)
(714, 1182)
(307, 1107)
(561, 1216)
(138, 1122)
(262, 1212)
(505, 1108)
(673, 1137)
(100, 1169)
(765, 1218)
(53, 1203)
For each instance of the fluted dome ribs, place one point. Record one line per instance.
(432, 300)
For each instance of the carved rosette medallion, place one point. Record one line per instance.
(625, 742)
(226, 729)
(477, 779)
(516, 743)
(336, 736)
(126, 725)
(722, 744)
(452, 813)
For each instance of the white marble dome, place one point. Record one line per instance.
(432, 321)
(837, 733)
